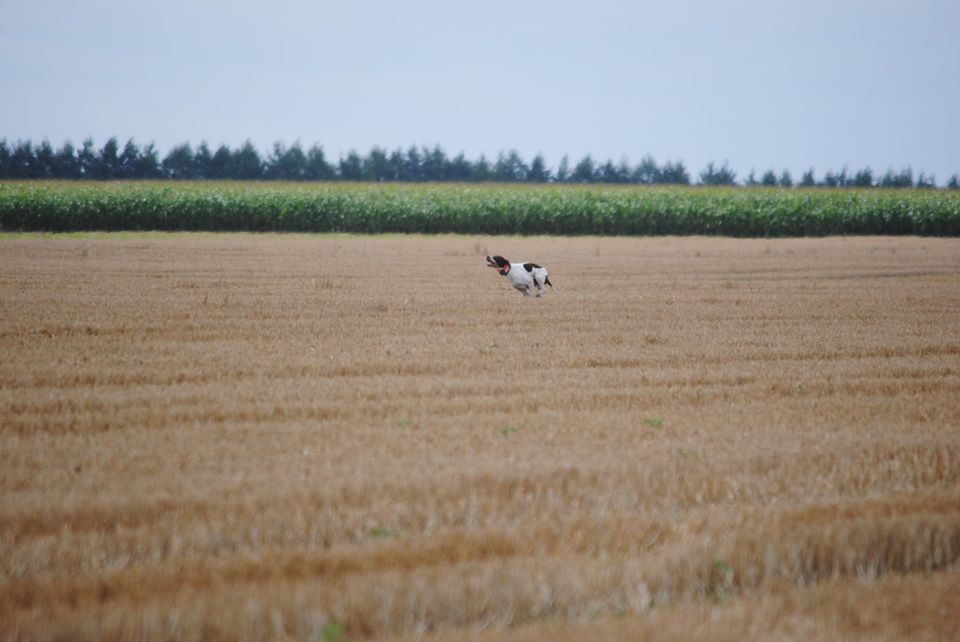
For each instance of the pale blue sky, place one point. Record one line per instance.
(761, 83)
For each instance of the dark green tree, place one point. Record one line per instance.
(247, 164)
(44, 161)
(674, 174)
(22, 162)
(723, 175)
(646, 172)
(769, 179)
(611, 173)
(482, 170)
(461, 169)
(201, 160)
(87, 160)
(954, 182)
(510, 167)
(901, 179)
(842, 179)
(287, 163)
(127, 162)
(785, 179)
(563, 170)
(4, 159)
(376, 166)
(905, 177)
(584, 172)
(863, 178)
(65, 164)
(396, 160)
(148, 163)
(351, 167)
(412, 165)
(318, 168)
(108, 161)
(435, 164)
(926, 182)
(221, 164)
(807, 180)
(5, 171)
(178, 163)
(539, 173)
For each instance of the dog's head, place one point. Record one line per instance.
(501, 264)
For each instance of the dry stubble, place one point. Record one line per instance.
(268, 436)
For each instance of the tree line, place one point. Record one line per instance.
(24, 160)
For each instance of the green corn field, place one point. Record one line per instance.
(474, 209)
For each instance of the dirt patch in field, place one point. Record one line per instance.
(261, 437)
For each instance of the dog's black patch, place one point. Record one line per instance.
(546, 281)
(529, 266)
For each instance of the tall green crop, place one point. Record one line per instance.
(475, 209)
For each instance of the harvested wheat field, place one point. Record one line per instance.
(351, 438)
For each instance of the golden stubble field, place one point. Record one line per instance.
(331, 438)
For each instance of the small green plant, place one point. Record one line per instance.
(380, 531)
(331, 632)
(406, 422)
(654, 422)
(506, 430)
(722, 586)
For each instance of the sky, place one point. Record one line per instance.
(760, 84)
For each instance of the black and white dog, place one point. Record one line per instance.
(529, 278)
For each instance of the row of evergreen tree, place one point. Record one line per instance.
(24, 160)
